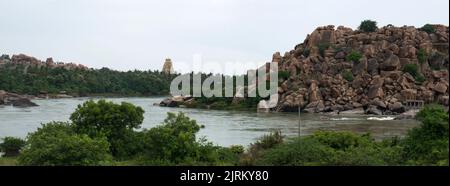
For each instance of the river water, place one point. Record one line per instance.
(221, 127)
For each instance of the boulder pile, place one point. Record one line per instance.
(8, 98)
(342, 69)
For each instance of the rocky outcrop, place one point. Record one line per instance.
(7, 98)
(322, 80)
(22, 59)
(175, 101)
(23, 102)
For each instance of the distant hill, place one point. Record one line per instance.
(27, 75)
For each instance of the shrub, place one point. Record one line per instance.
(306, 52)
(105, 118)
(437, 60)
(256, 149)
(269, 141)
(368, 26)
(11, 146)
(354, 56)
(129, 146)
(283, 74)
(422, 56)
(299, 152)
(341, 140)
(419, 79)
(237, 149)
(322, 47)
(57, 144)
(428, 144)
(413, 70)
(348, 75)
(428, 28)
(173, 141)
(331, 148)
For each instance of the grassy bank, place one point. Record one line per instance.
(8, 161)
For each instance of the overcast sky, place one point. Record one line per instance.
(139, 34)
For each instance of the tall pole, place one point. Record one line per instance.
(299, 121)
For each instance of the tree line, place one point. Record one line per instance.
(29, 79)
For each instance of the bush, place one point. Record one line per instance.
(256, 149)
(130, 145)
(57, 144)
(269, 141)
(11, 146)
(322, 47)
(354, 56)
(348, 75)
(428, 28)
(368, 26)
(174, 141)
(413, 70)
(428, 144)
(283, 74)
(237, 149)
(299, 152)
(422, 56)
(306, 52)
(342, 140)
(331, 148)
(105, 118)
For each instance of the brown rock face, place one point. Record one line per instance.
(276, 57)
(392, 63)
(322, 35)
(440, 87)
(375, 89)
(314, 93)
(378, 82)
(22, 58)
(360, 67)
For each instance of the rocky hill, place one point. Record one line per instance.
(338, 69)
(22, 59)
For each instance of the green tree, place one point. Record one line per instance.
(174, 140)
(105, 118)
(368, 26)
(428, 28)
(11, 146)
(428, 144)
(57, 144)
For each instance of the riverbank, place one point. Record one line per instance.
(229, 104)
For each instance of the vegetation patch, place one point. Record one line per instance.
(413, 70)
(428, 28)
(368, 26)
(354, 56)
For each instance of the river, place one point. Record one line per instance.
(221, 127)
